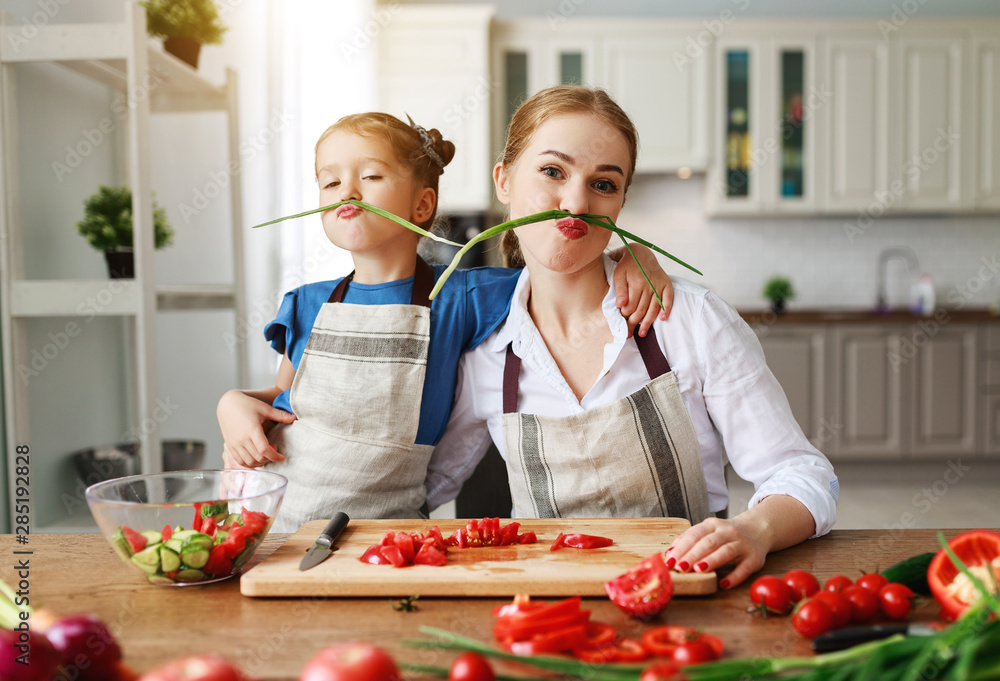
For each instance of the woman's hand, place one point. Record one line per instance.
(635, 298)
(242, 419)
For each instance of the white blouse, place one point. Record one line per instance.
(738, 408)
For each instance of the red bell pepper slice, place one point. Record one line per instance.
(629, 650)
(600, 634)
(522, 603)
(520, 628)
(980, 551)
(560, 541)
(558, 641)
(665, 639)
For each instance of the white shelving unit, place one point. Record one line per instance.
(118, 55)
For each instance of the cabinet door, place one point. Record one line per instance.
(932, 131)
(796, 357)
(868, 371)
(991, 424)
(856, 121)
(986, 55)
(944, 389)
(793, 101)
(665, 93)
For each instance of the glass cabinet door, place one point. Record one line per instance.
(737, 123)
(515, 82)
(571, 68)
(792, 80)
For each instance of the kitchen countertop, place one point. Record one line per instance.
(863, 316)
(271, 639)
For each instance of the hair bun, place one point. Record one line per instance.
(444, 148)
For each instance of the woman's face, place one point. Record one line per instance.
(576, 163)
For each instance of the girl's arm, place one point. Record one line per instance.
(242, 415)
(635, 298)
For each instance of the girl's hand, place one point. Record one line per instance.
(242, 419)
(714, 542)
(635, 298)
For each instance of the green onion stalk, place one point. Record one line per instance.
(969, 650)
(599, 220)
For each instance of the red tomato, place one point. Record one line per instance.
(664, 640)
(980, 551)
(195, 668)
(353, 661)
(872, 581)
(662, 671)
(896, 601)
(586, 541)
(771, 595)
(812, 617)
(644, 590)
(694, 652)
(839, 606)
(803, 584)
(470, 666)
(864, 603)
(837, 583)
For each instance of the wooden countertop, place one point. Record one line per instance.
(271, 639)
(767, 318)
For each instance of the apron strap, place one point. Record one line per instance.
(654, 359)
(423, 284)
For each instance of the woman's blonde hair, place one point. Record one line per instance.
(556, 101)
(426, 159)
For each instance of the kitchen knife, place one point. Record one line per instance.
(839, 639)
(323, 547)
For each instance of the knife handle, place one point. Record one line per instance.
(333, 528)
(839, 639)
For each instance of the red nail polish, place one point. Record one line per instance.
(669, 549)
(701, 567)
(724, 584)
(684, 566)
(670, 562)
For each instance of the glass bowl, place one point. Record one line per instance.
(187, 527)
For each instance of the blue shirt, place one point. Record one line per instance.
(466, 310)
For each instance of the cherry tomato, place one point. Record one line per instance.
(664, 640)
(470, 666)
(896, 601)
(837, 583)
(195, 668)
(812, 617)
(803, 584)
(694, 652)
(980, 551)
(352, 661)
(644, 590)
(872, 581)
(771, 595)
(864, 603)
(662, 671)
(839, 606)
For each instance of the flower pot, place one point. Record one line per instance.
(778, 306)
(184, 49)
(121, 264)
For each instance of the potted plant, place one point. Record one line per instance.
(779, 290)
(107, 226)
(185, 25)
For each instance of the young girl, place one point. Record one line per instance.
(591, 423)
(369, 363)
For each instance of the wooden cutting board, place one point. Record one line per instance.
(487, 571)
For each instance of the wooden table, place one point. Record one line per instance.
(272, 638)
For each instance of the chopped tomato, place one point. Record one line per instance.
(644, 590)
(527, 538)
(980, 551)
(560, 541)
(254, 521)
(430, 555)
(136, 541)
(487, 532)
(167, 532)
(404, 542)
(219, 561)
(580, 541)
(373, 555)
(664, 640)
(392, 554)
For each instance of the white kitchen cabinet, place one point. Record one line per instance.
(766, 101)
(930, 77)
(855, 135)
(665, 93)
(434, 64)
(989, 389)
(986, 129)
(943, 396)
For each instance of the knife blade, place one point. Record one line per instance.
(838, 639)
(323, 547)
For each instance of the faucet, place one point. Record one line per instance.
(907, 254)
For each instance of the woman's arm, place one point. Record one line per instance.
(635, 297)
(242, 415)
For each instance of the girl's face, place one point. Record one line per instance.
(353, 166)
(576, 163)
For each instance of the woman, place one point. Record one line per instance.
(592, 423)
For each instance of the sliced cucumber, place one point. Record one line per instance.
(159, 579)
(147, 560)
(189, 576)
(152, 536)
(120, 545)
(184, 534)
(169, 560)
(234, 518)
(199, 539)
(194, 556)
(220, 508)
(174, 544)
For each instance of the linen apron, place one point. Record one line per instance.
(635, 457)
(356, 395)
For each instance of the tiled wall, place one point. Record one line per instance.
(830, 265)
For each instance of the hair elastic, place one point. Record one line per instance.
(427, 143)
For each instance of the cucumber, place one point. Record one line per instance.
(200, 540)
(912, 572)
(147, 560)
(189, 576)
(169, 560)
(220, 508)
(183, 534)
(194, 556)
(233, 518)
(159, 579)
(152, 536)
(174, 545)
(120, 545)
